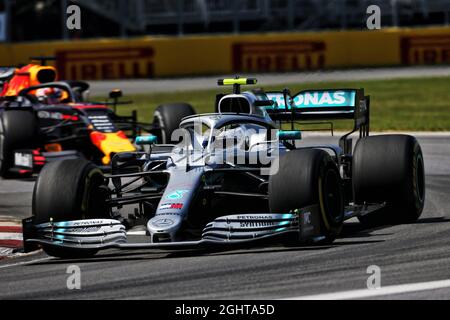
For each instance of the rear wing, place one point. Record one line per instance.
(323, 104)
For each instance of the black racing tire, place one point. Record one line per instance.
(168, 118)
(308, 177)
(389, 169)
(18, 130)
(70, 190)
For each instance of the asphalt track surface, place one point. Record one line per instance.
(407, 254)
(101, 88)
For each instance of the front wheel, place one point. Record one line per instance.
(70, 190)
(18, 129)
(308, 177)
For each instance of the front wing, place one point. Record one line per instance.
(230, 230)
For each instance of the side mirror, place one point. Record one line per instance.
(145, 140)
(123, 157)
(116, 94)
(289, 135)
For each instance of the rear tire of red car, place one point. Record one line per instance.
(309, 177)
(168, 118)
(18, 130)
(70, 190)
(389, 169)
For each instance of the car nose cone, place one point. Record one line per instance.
(167, 223)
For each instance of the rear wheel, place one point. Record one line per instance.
(309, 177)
(389, 169)
(18, 129)
(70, 190)
(168, 118)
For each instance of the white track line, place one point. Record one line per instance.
(5, 251)
(24, 263)
(383, 291)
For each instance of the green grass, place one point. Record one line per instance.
(404, 104)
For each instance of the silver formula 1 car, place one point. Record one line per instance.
(236, 177)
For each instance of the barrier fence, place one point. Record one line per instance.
(150, 57)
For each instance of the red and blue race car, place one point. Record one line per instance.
(43, 120)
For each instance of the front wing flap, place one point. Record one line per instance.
(250, 226)
(87, 234)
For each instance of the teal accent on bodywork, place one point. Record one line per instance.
(176, 195)
(284, 223)
(278, 100)
(325, 99)
(289, 135)
(315, 99)
(144, 140)
(62, 224)
(287, 216)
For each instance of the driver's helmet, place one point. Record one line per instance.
(51, 95)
